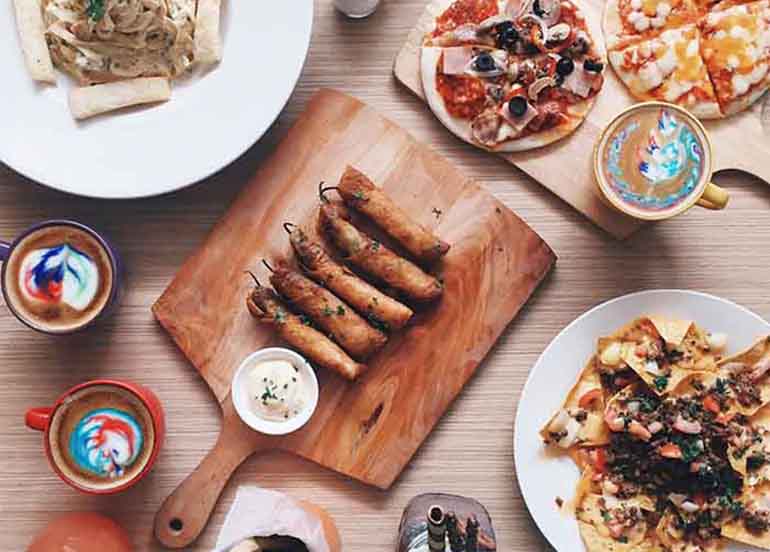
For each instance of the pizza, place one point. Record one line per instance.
(511, 75)
(669, 68)
(735, 49)
(709, 56)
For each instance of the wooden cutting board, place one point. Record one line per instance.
(740, 142)
(369, 429)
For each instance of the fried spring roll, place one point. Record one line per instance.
(348, 329)
(364, 196)
(266, 307)
(382, 310)
(374, 258)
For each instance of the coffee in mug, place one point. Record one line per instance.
(59, 277)
(654, 161)
(101, 437)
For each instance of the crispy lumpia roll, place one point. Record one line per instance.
(266, 307)
(364, 196)
(382, 310)
(346, 327)
(375, 259)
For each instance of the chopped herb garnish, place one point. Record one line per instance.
(660, 382)
(95, 9)
(305, 320)
(375, 245)
(358, 194)
(327, 311)
(280, 316)
(606, 516)
(341, 310)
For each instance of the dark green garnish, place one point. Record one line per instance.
(280, 316)
(375, 245)
(327, 311)
(341, 310)
(305, 320)
(95, 9)
(660, 382)
(358, 194)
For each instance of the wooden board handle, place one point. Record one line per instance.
(184, 514)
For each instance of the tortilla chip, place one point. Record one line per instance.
(593, 431)
(737, 531)
(593, 527)
(90, 101)
(750, 357)
(673, 332)
(208, 39)
(759, 437)
(669, 537)
(29, 21)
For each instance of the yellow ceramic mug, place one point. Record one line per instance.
(654, 161)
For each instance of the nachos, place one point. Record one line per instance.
(680, 460)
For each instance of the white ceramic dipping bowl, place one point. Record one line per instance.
(241, 399)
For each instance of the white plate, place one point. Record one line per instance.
(210, 120)
(543, 477)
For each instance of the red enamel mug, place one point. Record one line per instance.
(114, 431)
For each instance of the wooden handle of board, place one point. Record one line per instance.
(185, 513)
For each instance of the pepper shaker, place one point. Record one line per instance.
(357, 9)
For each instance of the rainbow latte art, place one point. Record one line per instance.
(654, 160)
(59, 275)
(106, 442)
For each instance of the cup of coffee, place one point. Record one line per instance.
(59, 276)
(103, 436)
(654, 161)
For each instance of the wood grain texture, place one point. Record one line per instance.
(740, 142)
(371, 428)
(470, 450)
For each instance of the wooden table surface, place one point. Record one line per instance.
(471, 450)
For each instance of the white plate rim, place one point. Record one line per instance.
(519, 426)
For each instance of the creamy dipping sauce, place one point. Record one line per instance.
(277, 390)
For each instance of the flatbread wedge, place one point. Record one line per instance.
(579, 421)
(749, 451)
(29, 20)
(90, 101)
(599, 521)
(672, 537)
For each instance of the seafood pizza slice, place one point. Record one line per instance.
(579, 422)
(752, 522)
(748, 375)
(734, 47)
(632, 21)
(662, 352)
(668, 68)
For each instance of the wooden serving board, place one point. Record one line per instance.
(369, 429)
(565, 168)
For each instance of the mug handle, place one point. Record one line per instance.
(38, 418)
(5, 249)
(714, 197)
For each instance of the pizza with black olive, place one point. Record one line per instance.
(511, 75)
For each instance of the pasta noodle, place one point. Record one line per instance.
(99, 41)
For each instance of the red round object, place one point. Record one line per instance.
(82, 532)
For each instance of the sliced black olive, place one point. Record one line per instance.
(517, 106)
(484, 62)
(593, 66)
(537, 9)
(565, 66)
(503, 26)
(508, 37)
